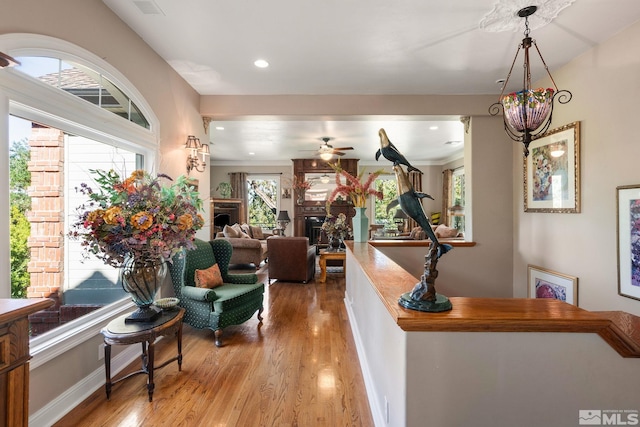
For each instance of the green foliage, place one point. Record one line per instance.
(18, 234)
(19, 229)
(389, 191)
(19, 175)
(260, 213)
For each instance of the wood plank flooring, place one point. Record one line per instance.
(299, 368)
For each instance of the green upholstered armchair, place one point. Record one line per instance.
(233, 303)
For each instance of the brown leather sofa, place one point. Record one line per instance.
(291, 259)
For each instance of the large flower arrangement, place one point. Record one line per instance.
(354, 188)
(336, 227)
(137, 217)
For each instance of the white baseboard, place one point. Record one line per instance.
(59, 407)
(376, 410)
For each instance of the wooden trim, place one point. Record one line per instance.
(619, 329)
(420, 243)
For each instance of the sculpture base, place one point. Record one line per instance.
(441, 303)
(143, 314)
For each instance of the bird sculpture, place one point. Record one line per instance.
(410, 202)
(391, 153)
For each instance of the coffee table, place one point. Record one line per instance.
(117, 332)
(326, 255)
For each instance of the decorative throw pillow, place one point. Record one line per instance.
(435, 218)
(230, 231)
(209, 278)
(443, 231)
(246, 228)
(256, 232)
(242, 234)
(417, 234)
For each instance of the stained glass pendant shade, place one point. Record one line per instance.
(527, 113)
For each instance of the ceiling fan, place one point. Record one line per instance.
(327, 150)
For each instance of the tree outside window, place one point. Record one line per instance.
(387, 185)
(262, 200)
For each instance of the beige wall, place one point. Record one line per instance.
(605, 88)
(92, 26)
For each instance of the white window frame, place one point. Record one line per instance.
(24, 96)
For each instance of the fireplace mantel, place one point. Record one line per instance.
(317, 208)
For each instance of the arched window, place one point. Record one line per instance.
(85, 83)
(68, 112)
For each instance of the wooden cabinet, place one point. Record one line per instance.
(14, 358)
(316, 209)
(225, 211)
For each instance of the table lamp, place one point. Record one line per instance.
(283, 220)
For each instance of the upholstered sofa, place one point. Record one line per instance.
(291, 259)
(232, 303)
(249, 246)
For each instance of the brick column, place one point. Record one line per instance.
(46, 217)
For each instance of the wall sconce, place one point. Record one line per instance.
(283, 220)
(527, 114)
(196, 148)
(325, 179)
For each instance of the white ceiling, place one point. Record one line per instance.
(349, 47)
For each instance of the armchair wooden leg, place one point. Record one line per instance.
(218, 337)
(260, 314)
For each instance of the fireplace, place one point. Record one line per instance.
(313, 229)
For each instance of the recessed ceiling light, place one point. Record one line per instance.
(261, 63)
(433, 127)
(219, 127)
(251, 153)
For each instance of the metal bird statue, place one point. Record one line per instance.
(423, 297)
(410, 202)
(391, 153)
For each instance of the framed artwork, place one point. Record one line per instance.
(552, 172)
(628, 231)
(545, 283)
(286, 193)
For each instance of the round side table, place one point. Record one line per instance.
(117, 332)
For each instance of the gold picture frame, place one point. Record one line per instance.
(544, 283)
(552, 183)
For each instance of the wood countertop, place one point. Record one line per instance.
(619, 329)
(11, 309)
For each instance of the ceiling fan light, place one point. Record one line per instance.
(326, 155)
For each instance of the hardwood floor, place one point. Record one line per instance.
(299, 368)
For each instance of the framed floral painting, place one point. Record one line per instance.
(552, 172)
(545, 283)
(628, 230)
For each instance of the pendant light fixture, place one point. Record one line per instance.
(527, 114)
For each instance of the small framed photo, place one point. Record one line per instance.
(552, 172)
(628, 232)
(545, 283)
(286, 193)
